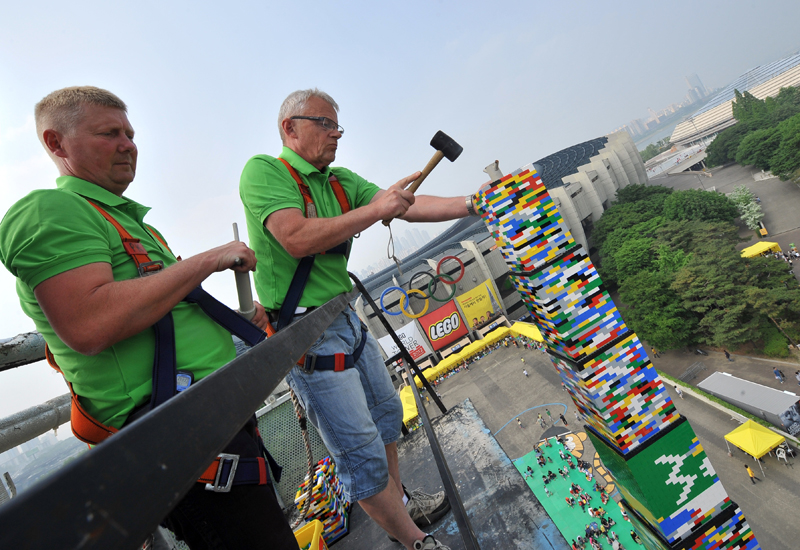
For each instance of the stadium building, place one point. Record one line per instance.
(582, 179)
(716, 115)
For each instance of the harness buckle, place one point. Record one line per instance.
(148, 268)
(215, 487)
(308, 364)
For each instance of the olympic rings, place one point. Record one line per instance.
(383, 295)
(432, 287)
(417, 274)
(452, 281)
(424, 310)
(407, 302)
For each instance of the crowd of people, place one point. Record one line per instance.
(789, 257)
(601, 525)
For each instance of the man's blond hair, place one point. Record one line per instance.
(61, 110)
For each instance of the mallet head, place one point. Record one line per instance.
(447, 145)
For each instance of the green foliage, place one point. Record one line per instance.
(787, 156)
(699, 205)
(655, 149)
(637, 192)
(673, 257)
(670, 261)
(775, 345)
(655, 312)
(767, 134)
(758, 147)
(725, 146)
(746, 108)
(611, 251)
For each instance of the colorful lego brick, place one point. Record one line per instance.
(661, 468)
(728, 531)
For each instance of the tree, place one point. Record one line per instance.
(633, 256)
(742, 195)
(724, 147)
(699, 205)
(786, 159)
(747, 108)
(752, 215)
(655, 312)
(758, 147)
(639, 192)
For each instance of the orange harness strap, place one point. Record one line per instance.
(84, 426)
(308, 202)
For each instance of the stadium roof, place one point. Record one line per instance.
(567, 161)
(749, 80)
(716, 115)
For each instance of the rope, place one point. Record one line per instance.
(390, 250)
(301, 418)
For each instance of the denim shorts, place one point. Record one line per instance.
(357, 411)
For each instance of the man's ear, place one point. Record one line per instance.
(53, 142)
(288, 127)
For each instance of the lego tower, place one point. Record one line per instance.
(670, 490)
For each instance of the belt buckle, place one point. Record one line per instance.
(148, 268)
(308, 364)
(215, 487)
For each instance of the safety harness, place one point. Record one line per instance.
(310, 362)
(227, 469)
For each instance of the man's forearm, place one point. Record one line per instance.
(302, 236)
(428, 208)
(91, 312)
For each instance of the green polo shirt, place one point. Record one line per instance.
(267, 186)
(52, 231)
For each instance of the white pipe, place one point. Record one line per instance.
(246, 307)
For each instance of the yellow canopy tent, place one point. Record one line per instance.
(754, 439)
(526, 329)
(760, 248)
(409, 405)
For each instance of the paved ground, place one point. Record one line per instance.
(501, 393)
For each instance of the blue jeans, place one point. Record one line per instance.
(357, 412)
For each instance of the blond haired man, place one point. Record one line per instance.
(87, 294)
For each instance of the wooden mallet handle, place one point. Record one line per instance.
(435, 159)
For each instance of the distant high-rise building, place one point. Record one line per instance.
(693, 81)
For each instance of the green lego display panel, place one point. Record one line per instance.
(669, 481)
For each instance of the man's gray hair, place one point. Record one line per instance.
(295, 103)
(61, 110)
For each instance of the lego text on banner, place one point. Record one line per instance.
(443, 326)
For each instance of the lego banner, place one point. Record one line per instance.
(411, 338)
(443, 326)
(479, 303)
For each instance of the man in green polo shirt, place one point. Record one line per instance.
(84, 294)
(356, 410)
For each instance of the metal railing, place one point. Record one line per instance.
(116, 495)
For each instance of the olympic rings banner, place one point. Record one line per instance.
(411, 338)
(479, 303)
(443, 326)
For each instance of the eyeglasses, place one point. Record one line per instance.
(323, 121)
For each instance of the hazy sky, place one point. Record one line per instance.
(513, 81)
